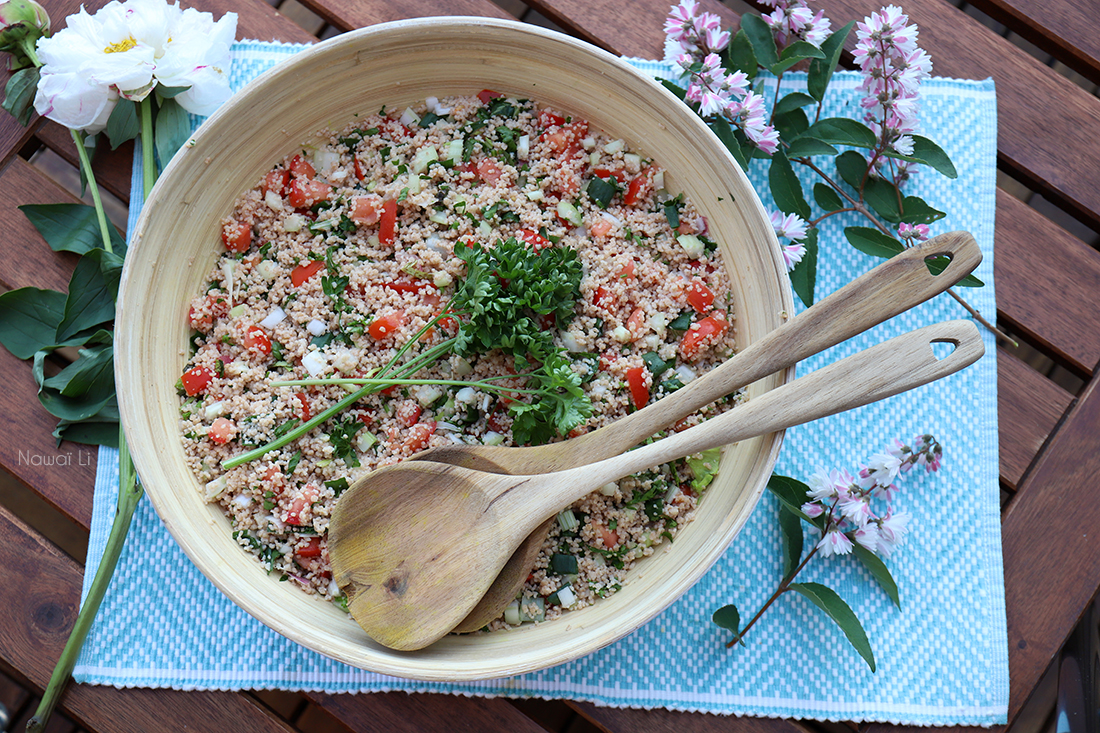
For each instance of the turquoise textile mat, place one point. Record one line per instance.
(942, 658)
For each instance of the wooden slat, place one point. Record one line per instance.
(1063, 28)
(40, 591)
(348, 14)
(1029, 407)
(1052, 548)
(112, 167)
(1048, 284)
(419, 713)
(1054, 152)
(628, 720)
(258, 20)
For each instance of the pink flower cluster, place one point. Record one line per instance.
(792, 227)
(792, 20)
(893, 68)
(849, 503)
(700, 40)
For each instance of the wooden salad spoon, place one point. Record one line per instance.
(892, 287)
(415, 545)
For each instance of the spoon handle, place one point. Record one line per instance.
(897, 365)
(898, 284)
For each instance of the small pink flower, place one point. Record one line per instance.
(791, 226)
(834, 543)
(793, 254)
(892, 528)
(868, 535)
(812, 509)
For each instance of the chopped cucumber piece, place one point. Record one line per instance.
(692, 245)
(567, 520)
(572, 214)
(511, 614)
(563, 564)
(423, 157)
(532, 609)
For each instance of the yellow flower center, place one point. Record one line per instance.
(124, 45)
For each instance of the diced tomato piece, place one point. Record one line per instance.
(276, 180)
(386, 325)
(485, 95)
(301, 167)
(236, 236)
(388, 226)
(703, 334)
(496, 421)
(639, 392)
(257, 341)
(418, 436)
(608, 537)
(600, 228)
(222, 431)
(360, 170)
(365, 210)
(301, 273)
(489, 171)
(548, 118)
(699, 296)
(566, 181)
(636, 189)
(408, 412)
(636, 324)
(606, 173)
(607, 359)
(306, 192)
(565, 142)
(685, 227)
(196, 379)
(408, 286)
(546, 321)
(300, 504)
(626, 272)
(312, 548)
(534, 239)
(216, 306)
(601, 296)
(304, 402)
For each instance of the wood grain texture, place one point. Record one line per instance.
(629, 720)
(1052, 548)
(258, 20)
(1063, 28)
(1029, 407)
(1054, 153)
(36, 625)
(397, 712)
(348, 14)
(112, 167)
(1048, 284)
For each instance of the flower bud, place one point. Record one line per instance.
(21, 21)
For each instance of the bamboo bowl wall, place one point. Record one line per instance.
(176, 242)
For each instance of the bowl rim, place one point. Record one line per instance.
(373, 657)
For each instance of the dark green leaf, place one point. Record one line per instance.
(740, 56)
(851, 166)
(873, 242)
(92, 371)
(792, 54)
(73, 409)
(760, 36)
(724, 132)
(842, 131)
(790, 525)
(785, 187)
(794, 100)
(88, 432)
(92, 292)
(19, 94)
(791, 493)
(826, 197)
(821, 70)
(929, 153)
(70, 227)
(917, 211)
(936, 265)
(805, 147)
(883, 197)
(804, 274)
(123, 124)
(29, 319)
(728, 618)
(172, 130)
(791, 124)
(835, 608)
(878, 570)
(168, 92)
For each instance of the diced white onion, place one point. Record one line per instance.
(608, 216)
(317, 327)
(333, 588)
(443, 425)
(274, 201)
(268, 270)
(242, 501)
(614, 146)
(431, 103)
(569, 341)
(652, 341)
(427, 394)
(622, 335)
(442, 111)
(466, 396)
(345, 361)
(491, 437)
(325, 159)
(588, 143)
(462, 368)
(566, 596)
(609, 489)
(701, 224)
(409, 118)
(686, 373)
(294, 223)
(442, 279)
(523, 147)
(214, 409)
(315, 363)
(215, 488)
(275, 317)
(435, 244)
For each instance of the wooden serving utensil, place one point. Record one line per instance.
(415, 545)
(896, 285)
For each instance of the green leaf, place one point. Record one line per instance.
(842, 131)
(73, 409)
(791, 493)
(760, 36)
(92, 371)
(883, 197)
(791, 124)
(916, 211)
(740, 56)
(728, 618)
(785, 187)
(164, 92)
(804, 274)
(29, 319)
(792, 54)
(826, 197)
(173, 127)
(929, 153)
(722, 129)
(851, 166)
(878, 570)
(123, 124)
(70, 227)
(88, 432)
(805, 147)
(821, 70)
(790, 525)
(835, 608)
(19, 94)
(936, 265)
(92, 292)
(873, 242)
(794, 100)
(677, 90)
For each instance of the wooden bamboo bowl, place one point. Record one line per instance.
(176, 242)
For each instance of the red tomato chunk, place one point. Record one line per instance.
(196, 380)
(386, 325)
(703, 334)
(418, 436)
(257, 341)
(301, 273)
(237, 236)
(699, 296)
(639, 392)
(222, 431)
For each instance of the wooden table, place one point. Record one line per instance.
(1048, 290)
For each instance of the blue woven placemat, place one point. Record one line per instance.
(942, 659)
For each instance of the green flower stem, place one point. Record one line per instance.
(28, 45)
(129, 492)
(93, 188)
